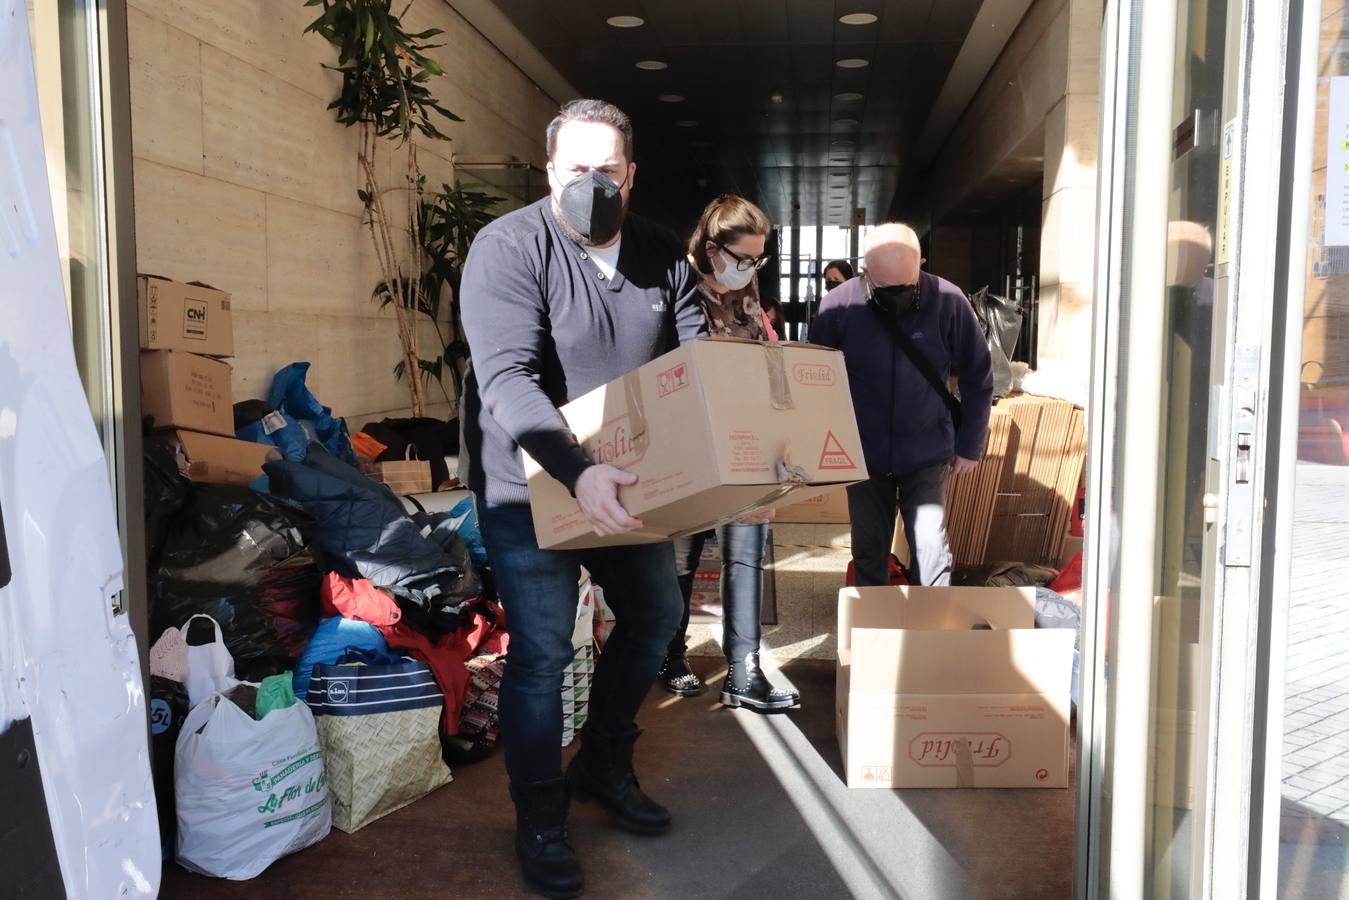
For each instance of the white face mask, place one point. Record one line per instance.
(732, 278)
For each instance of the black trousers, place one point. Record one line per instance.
(920, 499)
(742, 553)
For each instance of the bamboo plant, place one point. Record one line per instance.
(449, 221)
(385, 95)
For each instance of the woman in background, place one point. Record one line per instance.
(727, 248)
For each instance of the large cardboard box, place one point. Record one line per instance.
(828, 508)
(951, 687)
(713, 430)
(188, 316)
(184, 390)
(218, 460)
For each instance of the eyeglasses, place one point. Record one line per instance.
(744, 263)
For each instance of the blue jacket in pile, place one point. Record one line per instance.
(904, 424)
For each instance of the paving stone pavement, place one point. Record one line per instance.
(1316, 718)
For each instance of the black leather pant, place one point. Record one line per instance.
(742, 554)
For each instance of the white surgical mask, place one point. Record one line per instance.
(732, 278)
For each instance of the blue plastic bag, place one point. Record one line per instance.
(290, 396)
(331, 641)
(461, 522)
(290, 438)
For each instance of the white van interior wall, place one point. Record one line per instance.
(245, 181)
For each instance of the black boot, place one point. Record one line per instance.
(677, 678)
(746, 686)
(546, 858)
(602, 771)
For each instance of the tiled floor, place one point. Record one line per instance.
(1314, 837)
(1316, 722)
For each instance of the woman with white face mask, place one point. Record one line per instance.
(727, 249)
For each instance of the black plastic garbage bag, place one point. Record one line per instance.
(168, 710)
(166, 491)
(244, 559)
(363, 529)
(1000, 320)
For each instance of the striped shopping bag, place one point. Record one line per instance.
(379, 728)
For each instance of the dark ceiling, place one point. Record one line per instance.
(761, 113)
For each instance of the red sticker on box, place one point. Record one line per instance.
(833, 456)
(671, 380)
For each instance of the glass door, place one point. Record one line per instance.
(1184, 297)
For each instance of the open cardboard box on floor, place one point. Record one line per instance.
(951, 687)
(218, 460)
(715, 429)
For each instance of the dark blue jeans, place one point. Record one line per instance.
(538, 590)
(742, 553)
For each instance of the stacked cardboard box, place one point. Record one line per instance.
(1017, 504)
(185, 331)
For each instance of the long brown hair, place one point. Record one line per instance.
(724, 221)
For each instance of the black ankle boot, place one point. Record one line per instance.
(677, 678)
(546, 858)
(746, 686)
(602, 771)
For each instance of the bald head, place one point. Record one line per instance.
(893, 255)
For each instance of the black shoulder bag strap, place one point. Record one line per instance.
(923, 364)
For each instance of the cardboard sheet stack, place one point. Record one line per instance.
(186, 333)
(1017, 504)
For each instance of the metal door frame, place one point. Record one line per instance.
(1138, 60)
(117, 316)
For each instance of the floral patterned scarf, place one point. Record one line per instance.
(734, 313)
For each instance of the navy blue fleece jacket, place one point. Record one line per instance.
(904, 424)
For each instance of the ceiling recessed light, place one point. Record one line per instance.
(857, 19)
(846, 123)
(853, 63)
(671, 98)
(686, 123)
(632, 21)
(848, 97)
(652, 65)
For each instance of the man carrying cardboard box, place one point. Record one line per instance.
(903, 333)
(559, 298)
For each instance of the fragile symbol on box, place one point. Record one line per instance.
(985, 750)
(834, 456)
(672, 380)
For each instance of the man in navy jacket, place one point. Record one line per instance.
(909, 437)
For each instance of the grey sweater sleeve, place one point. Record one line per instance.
(507, 327)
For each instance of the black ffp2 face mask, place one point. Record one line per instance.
(592, 206)
(894, 300)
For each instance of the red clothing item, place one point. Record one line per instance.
(356, 598)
